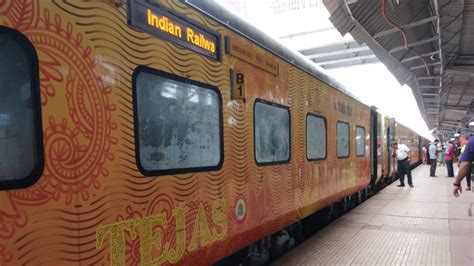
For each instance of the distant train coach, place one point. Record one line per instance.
(170, 132)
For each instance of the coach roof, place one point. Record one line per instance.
(237, 24)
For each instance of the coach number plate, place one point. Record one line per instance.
(238, 85)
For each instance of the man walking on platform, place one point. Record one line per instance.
(467, 157)
(432, 150)
(402, 152)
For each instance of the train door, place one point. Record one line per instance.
(381, 138)
(389, 149)
(373, 145)
(420, 149)
(390, 138)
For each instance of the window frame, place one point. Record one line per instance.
(155, 173)
(348, 139)
(326, 143)
(287, 108)
(38, 167)
(363, 128)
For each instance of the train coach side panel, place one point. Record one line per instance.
(93, 205)
(334, 177)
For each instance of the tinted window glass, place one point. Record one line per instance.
(272, 133)
(315, 137)
(18, 143)
(342, 129)
(360, 141)
(178, 123)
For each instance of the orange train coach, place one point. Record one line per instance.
(170, 132)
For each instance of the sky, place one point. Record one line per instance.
(373, 84)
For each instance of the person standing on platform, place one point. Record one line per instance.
(432, 151)
(449, 157)
(467, 157)
(402, 153)
(441, 154)
(425, 160)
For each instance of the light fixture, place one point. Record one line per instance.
(452, 139)
(457, 135)
(471, 124)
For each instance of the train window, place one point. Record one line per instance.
(343, 136)
(271, 133)
(316, 144)
(21, 159)
(360, 141)
(178, 123)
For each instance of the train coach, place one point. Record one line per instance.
(170, 132)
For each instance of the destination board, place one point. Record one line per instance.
(163, 23)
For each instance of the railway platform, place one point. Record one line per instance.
(424, 225)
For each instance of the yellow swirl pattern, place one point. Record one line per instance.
(193, 215)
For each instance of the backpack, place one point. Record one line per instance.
(457, 152)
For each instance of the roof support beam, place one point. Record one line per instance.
(460, 112)
(428, 87)
(416, 57)
(406, 26)
(422, 66)
(331, 46)
(342, 60)
(459, 72)
(339, 52)
(414, 44)
(450, 124)
(428, 77)
(304, 33)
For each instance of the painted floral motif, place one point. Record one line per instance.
(77, 143)
(10, 217)
(5, 256)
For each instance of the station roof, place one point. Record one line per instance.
(427, 45)
(330, 53)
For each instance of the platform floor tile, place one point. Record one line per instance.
(424, 225)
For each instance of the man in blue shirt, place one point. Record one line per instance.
(467, 158)
(432, 150)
